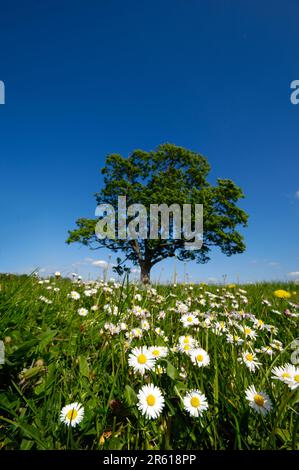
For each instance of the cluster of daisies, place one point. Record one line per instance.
(222, 313)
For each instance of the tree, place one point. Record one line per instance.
(169, 175)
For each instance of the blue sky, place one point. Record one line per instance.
(84, 79)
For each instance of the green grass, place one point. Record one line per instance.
(54, 357)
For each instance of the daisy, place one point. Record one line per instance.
(282, 373)
(249, 359)
(189, 319)
(235, 339)
(200, 357)
(74, 295)
(145, 325)
(82, 312)
(259, 324)
(151, 401)
(195, 403)
(158, 351)
(293, 382)
(141, 360)
(72, 414)
(288, 374)
(259, 401)
(248, 332)
(267, 350)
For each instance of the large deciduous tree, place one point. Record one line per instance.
(169, 175)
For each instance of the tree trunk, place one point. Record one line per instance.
(145, 270)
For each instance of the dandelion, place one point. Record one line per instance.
(282, 294)
(72, 414)
(82, 312)
(195, 403)
(151, 401)
(200, 357)
(141, 360)
(259, 401)
(249, 359)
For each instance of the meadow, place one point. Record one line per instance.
(107, 365)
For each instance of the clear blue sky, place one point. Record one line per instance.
(84, 79)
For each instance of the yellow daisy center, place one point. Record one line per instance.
(186, 347)
(236, 338)
(141, 359)
(247, 331)
(249, 357)
(195, 402)
(186, 340)
(189, 319)
(296, 377)
(72, 414)
(259, 400)
(260, 322)
(156, 352)
(199, 357)
(286, 375)
(151, 400)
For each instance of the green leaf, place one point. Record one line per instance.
(171, 371)
(83, 366)
(130, 395)
(26, 444)
(46, 338)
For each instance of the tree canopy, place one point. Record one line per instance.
(169, 175)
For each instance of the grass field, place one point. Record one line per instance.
(202, 346)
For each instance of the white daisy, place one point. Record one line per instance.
(158, 351)
(189, 319)
(74, 295)
(151, 401)
(200, 357)
(195, 403)
(72, 414)
(234, 339)
(259, 324)
(248, 332)
(249, 359)
(141, 360)
(259, 401)
(186, 344)
(281, 373)
(82, 312)
(293, 382)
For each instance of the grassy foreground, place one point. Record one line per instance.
(58, 353)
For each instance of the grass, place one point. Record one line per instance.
(54, 356)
